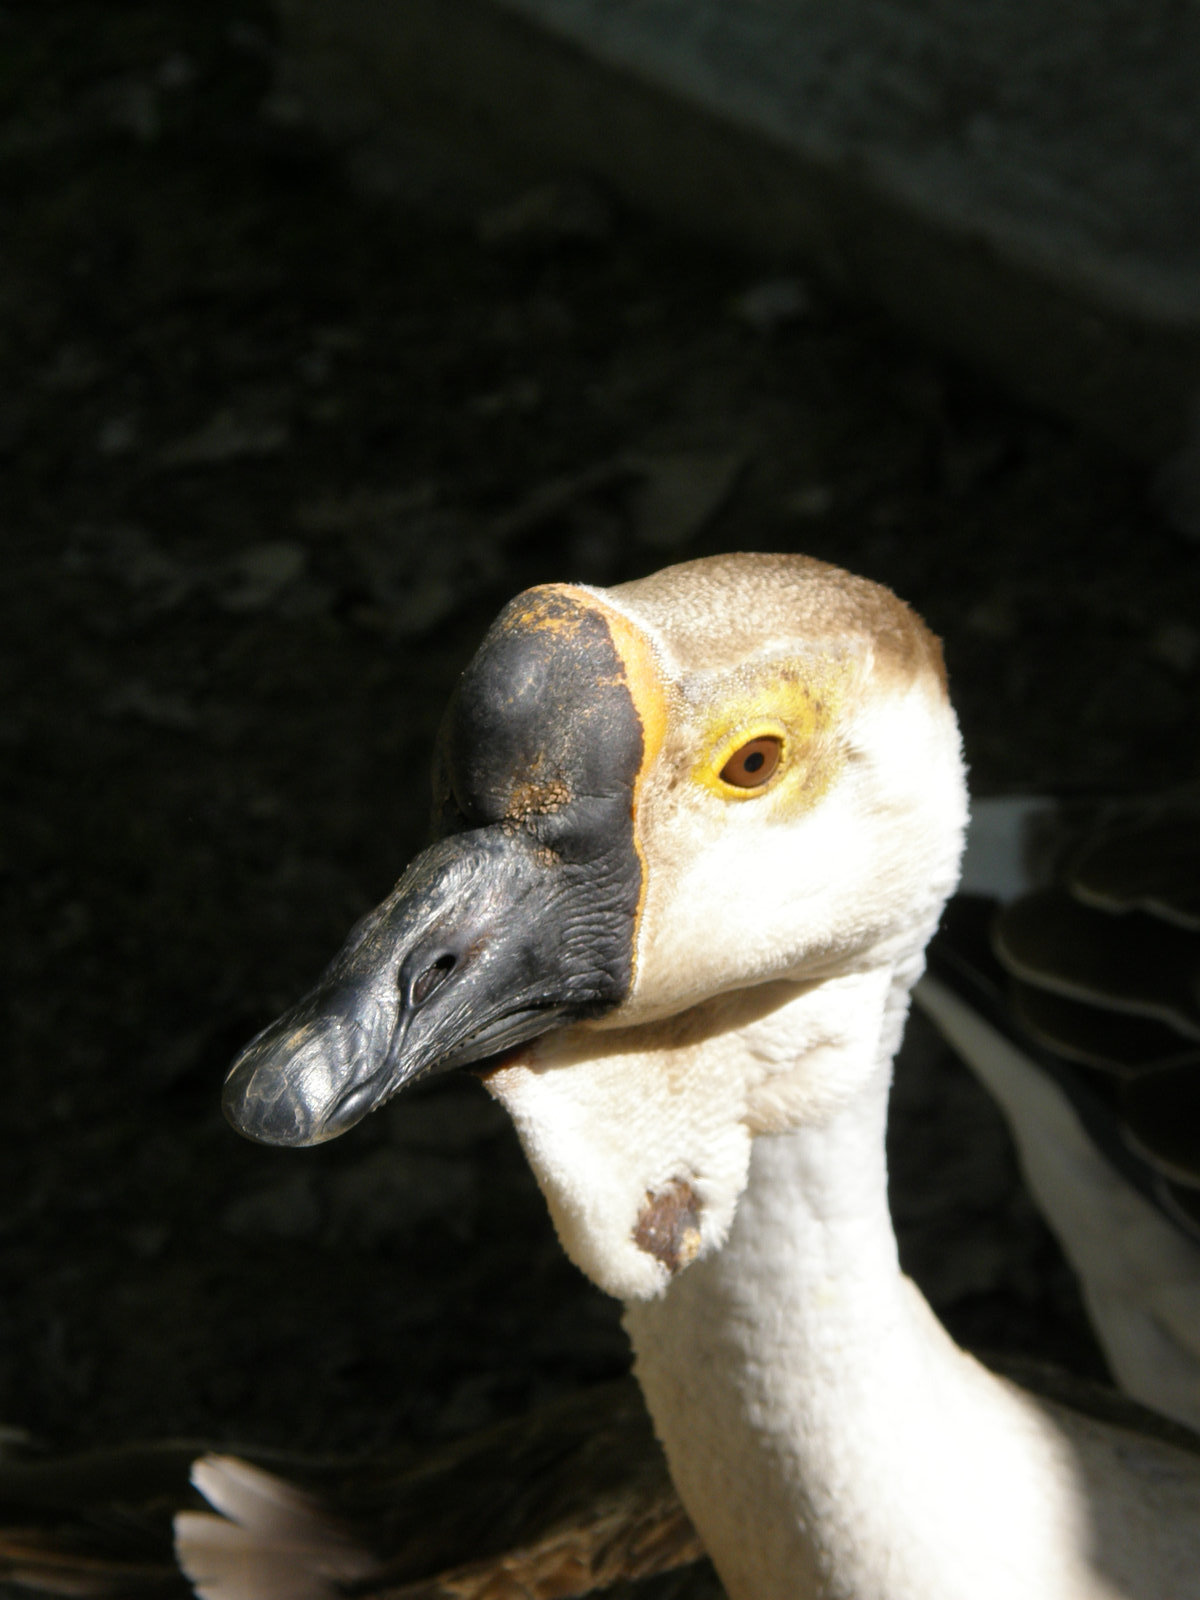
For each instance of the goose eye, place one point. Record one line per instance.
(754, 763)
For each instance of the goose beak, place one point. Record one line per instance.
(520, 918)
(485, 943)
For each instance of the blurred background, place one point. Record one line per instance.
(280, 432)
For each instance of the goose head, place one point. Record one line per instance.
(691, 833)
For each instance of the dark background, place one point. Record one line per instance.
(272, 453)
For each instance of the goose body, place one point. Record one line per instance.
(693, 835)
(1070, 990)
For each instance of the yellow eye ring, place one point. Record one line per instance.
(745, 767)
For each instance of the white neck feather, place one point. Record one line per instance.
(825, 1433)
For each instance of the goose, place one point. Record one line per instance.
(692, 835)
(576, 1492)
(1065, 976)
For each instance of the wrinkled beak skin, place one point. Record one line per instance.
(519, 918)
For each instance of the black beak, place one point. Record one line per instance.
(485, 943)
(522, 917)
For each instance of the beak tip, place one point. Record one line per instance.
(276, 1119)
(303, 1079)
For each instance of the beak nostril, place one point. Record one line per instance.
(434, 975)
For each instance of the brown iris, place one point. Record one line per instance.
(750, 766)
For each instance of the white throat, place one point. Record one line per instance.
(824, 1432)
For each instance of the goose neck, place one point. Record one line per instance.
(813, 1410)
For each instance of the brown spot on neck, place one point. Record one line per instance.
(668, 1225)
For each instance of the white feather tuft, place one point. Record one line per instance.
(270, 1541)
